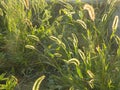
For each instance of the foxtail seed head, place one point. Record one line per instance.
(26, 3)
(90, 74)
(30, 47)
(74, 61)
(90, 10)
(104, 17)
(82, 23)
(115, 23)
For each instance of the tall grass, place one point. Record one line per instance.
(70, 43)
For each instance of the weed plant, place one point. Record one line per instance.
(7, 83)
(71, 43)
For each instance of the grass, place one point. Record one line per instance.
(70, 45)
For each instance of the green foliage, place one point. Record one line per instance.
(70, 42)
(8, 83)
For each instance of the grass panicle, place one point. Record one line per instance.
(90, 10)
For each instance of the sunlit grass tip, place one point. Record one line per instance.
(74, 61)
(104, 18)
(82, 23)
(115, 23)
(90, 10)
(34, 37)
(90, 74)
(30, 47)
(58, 41)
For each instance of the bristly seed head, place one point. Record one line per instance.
(115, 23)
(74, 61)
(90, 10)
(26, 3)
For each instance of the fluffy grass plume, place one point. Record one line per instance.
(90, 10)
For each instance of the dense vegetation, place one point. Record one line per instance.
(72, 46)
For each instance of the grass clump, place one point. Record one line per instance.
(70, 43)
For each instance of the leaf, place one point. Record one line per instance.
(38, 82)
(11, 82)
(79, 72)
(118, 52)
(67, 12)
(2, 77)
